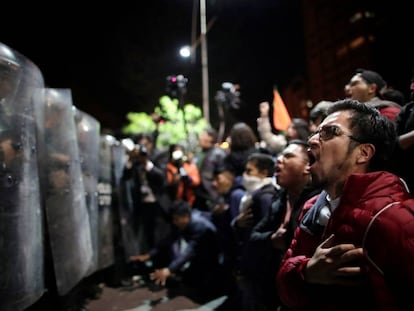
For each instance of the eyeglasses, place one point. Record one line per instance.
(328, 132)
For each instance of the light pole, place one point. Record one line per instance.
(204, 61)
(188, 51)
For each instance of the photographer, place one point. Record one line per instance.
(147, 191)
(182, 175)
(189, 255)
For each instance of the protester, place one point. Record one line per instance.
(260, 192)
(242, 142)
(231, 190)
(256, 202)
(318, 113)
(367, 86)
(353, 248)
(297, 129)
(208, 159)
(404, 152)
(271, 236)
(274, 142)
(189, 253)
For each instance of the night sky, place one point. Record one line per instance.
(115, 57)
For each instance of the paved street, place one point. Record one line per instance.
(142, 298)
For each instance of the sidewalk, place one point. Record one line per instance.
(140, 297)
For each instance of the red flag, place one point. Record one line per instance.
(281, 118)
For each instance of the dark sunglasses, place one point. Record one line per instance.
(328, 132)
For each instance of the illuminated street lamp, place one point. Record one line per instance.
(185, 51)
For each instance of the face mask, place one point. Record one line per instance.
(251, 183)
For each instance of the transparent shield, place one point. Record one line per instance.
(21, 227)
(67, 216)
(105, 245)
(88, 133)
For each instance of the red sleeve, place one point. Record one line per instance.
(390, 112)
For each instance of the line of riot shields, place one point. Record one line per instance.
(62, 210)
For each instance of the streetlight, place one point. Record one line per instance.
(188, 51)
(204, 61)
(185, 51)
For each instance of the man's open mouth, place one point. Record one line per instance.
(312, 158)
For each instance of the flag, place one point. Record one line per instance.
(281, 118)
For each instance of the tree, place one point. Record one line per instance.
(175, 124)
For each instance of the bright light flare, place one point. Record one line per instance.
(185, 51)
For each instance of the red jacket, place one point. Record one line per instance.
(387, 108)
(389, 245)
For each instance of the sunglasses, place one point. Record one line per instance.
(328, 132)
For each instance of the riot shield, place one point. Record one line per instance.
(118, 164)
(21, 227)
(88, 133)
(105, 234)
(11, 73)
(131, 233)
(66, 213)
(119, 159)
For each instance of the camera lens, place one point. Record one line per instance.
(143, 150)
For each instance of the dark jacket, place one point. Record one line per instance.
(206, 193)
(262, 260)
(222, 221)
(403, 159)
(202, 248)
(261, 205)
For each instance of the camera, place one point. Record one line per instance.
(176, 86)
(183, 173)
(178, 157)
(142, 150)
(130, 146)
(229, 95)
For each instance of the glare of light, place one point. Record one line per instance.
(224, 145)
(84, 126)
(185, 51)
(110, 139)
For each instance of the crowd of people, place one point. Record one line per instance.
(303, 219)
(319, 217)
